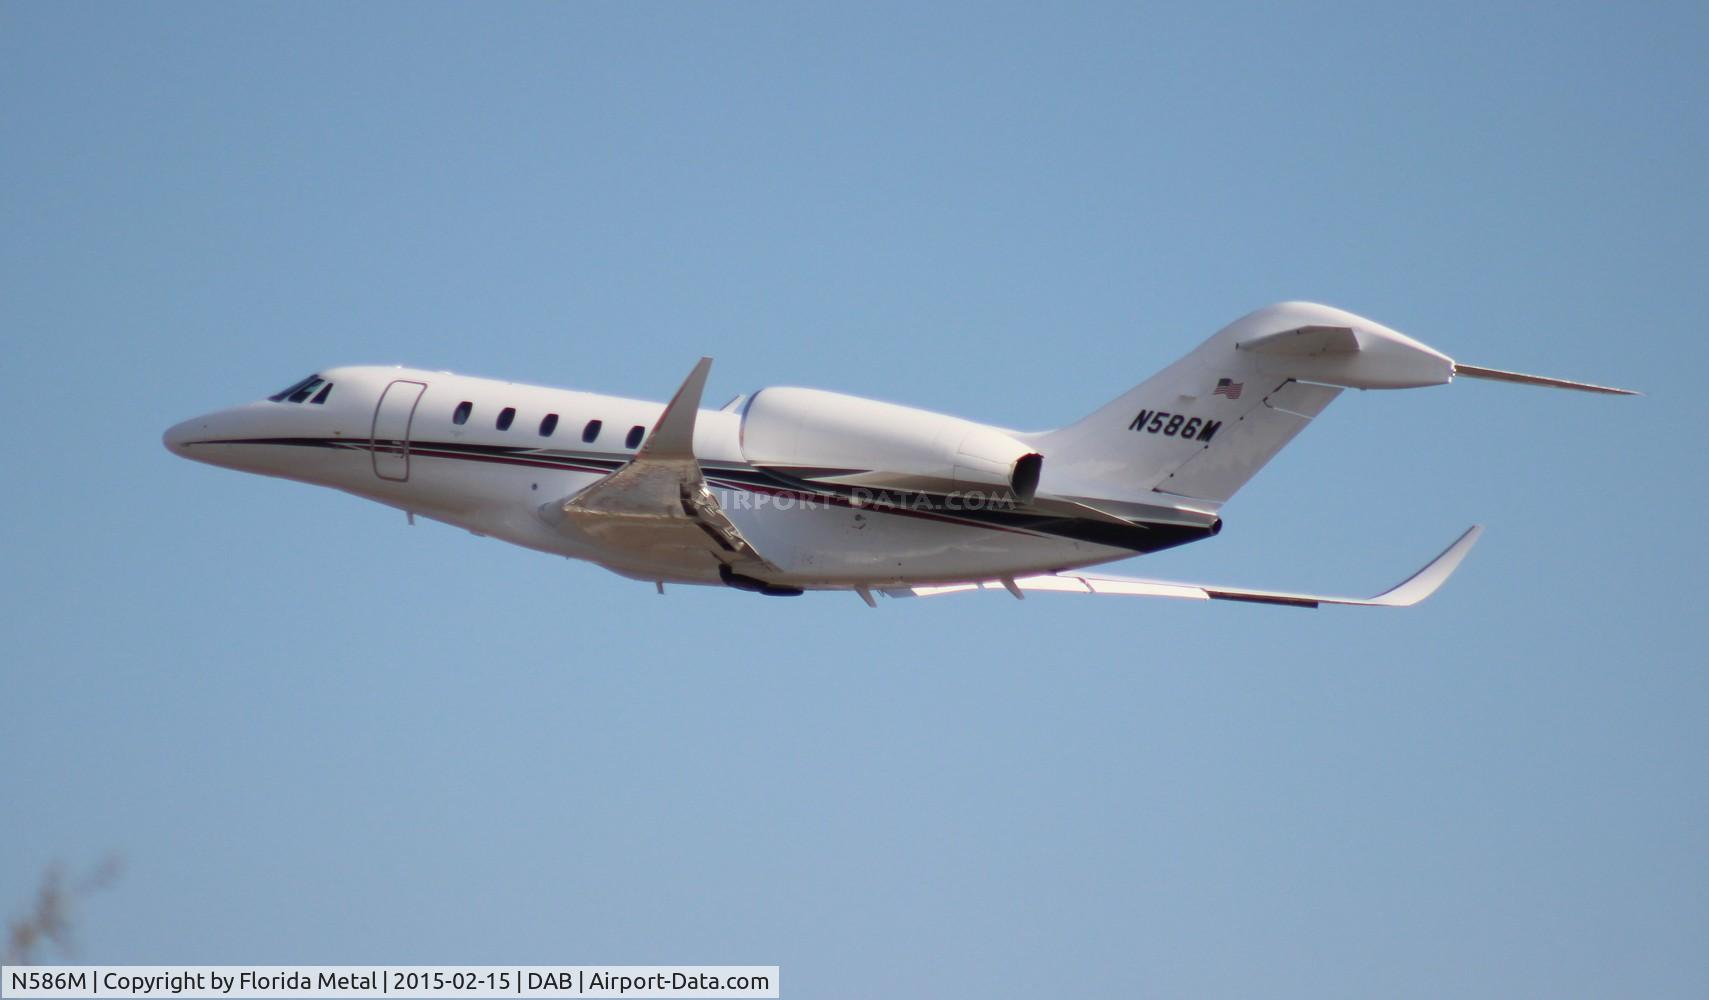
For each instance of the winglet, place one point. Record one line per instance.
(1426, 581)
(673, 435)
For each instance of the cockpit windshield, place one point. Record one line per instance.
(304, 390)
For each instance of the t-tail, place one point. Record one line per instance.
(1196, 432)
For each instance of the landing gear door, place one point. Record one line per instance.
(391, 429)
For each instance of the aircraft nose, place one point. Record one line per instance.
(179, 437)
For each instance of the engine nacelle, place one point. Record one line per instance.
(827, 437)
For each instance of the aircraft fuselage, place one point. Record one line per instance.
(392, 435)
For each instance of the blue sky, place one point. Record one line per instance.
(316, 735)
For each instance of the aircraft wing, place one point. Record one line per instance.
(1409, 592)
(657, 506)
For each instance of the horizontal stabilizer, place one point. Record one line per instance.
(1414, 589)
(1497, 375)
(1306, 341)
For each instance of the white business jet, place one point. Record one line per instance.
(789, 489)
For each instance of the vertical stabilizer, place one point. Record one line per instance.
(1204, 426)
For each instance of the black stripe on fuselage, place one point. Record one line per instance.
(1136, 537)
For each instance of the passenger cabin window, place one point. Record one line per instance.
(590, 433)
(548, 425)
(634, 438)
(461, 414)
(505, 417)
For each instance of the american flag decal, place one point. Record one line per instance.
(1227, 387)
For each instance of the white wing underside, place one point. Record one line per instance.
(1409, 592)
(657, 506)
